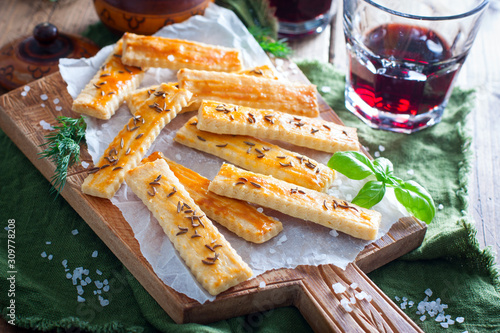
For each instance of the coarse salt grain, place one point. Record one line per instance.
(460, 319)
(444, 325)
(42, 105)
(171, 57)
(262, 284)
(44, 97)
(27, 88)
(428, 292)
(85, 164)
(281, 240)
(361, 295)
(58, 108)
(440, 206)
(411, 172)
(74, 232)
(50, 257)
(333, 233)
(260, 209)
(43, 254)
(24, 93)
(423, 318)
(338, 288)
(105, 288)
(46, 126)
(345, 304)
(94, 254)
(326, 89)
(354, 285)
(80, 299)
(381, 148)
(178, 157)
(98, 272)
(376, 154)
(79, 290)
(48, 243)
(56, 100)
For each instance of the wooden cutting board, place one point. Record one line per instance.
(309, 288)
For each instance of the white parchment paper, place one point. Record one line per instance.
(300, 243)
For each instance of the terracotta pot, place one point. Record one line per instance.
(145, 17)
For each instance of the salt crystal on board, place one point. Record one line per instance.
(338, 288)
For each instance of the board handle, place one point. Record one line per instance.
(322, 307)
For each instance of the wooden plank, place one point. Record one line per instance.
(20, 118)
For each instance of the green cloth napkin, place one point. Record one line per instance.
(53, 245)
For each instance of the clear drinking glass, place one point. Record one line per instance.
(403, 58)
(298, 18)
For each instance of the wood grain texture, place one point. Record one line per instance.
(305, 287)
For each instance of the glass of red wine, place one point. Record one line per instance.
(404, 56)
(299, 18)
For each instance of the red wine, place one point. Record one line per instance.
(404, 70)
(300, 10)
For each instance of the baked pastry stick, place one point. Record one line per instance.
(236, 215)
(137, 97)
(133, 141)
(296, 201)
(258, 156)
(248, 90)
(174, 54)
(211, 259)
(103, 95)
(307, 132)
(261, 71)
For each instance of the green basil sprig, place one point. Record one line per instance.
(410, 194)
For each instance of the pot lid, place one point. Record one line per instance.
(30, 58)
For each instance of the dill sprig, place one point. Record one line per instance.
(277, 47)
(63, 148)
(258, 16)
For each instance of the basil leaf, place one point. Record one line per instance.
(352, 164)
(383, 168)
(370, 194)
(416, 200)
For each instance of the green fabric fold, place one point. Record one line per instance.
(449, 262)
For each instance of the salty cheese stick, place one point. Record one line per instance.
(103, 95)
(261, 71)
(296, 201)
(258, 156)
(134, 140)
(236, 215)
(138, 97)
(316, 134)
(174, 54)
(248, 90)
(211, 259)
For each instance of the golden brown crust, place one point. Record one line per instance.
(236, 215)
(318, 134)
(296, 201)
(103, 95)
(248, 90)
(211, 259)
(151, 51)
(258, 156)
(133, 141)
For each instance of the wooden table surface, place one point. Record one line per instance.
(481, 71)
